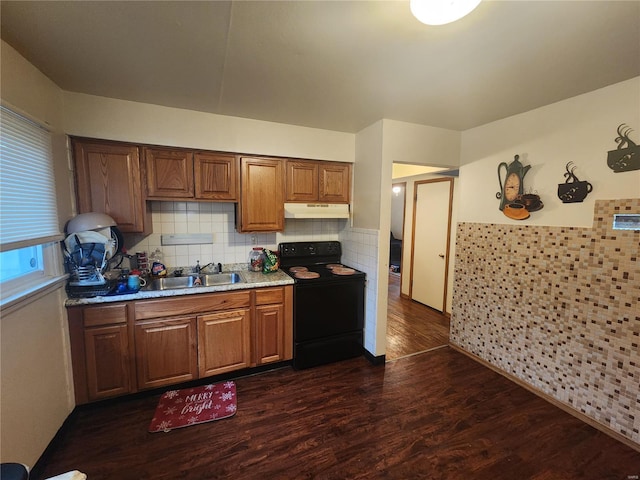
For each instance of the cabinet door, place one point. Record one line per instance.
(261, 207)
(269, 334)
(166, 351)
(107, 361)
(335, 182)
(169, 173)
(216, 176)
(109, 180)
(223, 342)
(302, 181)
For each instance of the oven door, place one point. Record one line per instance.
(325, 309)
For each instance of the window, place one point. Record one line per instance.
(29, 252)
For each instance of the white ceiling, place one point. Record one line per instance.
(330, 64)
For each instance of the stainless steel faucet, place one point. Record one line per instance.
(198, 269)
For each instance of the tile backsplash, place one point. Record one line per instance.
(228, 245)
(360, 246)
(557, 307)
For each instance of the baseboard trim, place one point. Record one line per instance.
(545, 396)
(374, 360)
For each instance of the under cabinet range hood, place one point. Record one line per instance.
(316, 210)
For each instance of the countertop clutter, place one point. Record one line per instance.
(249, 280)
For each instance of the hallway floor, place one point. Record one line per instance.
(412, 327)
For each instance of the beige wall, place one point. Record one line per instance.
(99, 117)
(581, 130)
(421, 145)
(36, 394)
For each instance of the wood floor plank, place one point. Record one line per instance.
(411, 326)
(436, 415)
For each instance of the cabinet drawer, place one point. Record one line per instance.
(192, 304)
(267, 296)
(104, 315)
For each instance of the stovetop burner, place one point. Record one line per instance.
(320, 261)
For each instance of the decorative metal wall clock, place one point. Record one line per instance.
(627, 156)
(512, 186)
(573, 190)
(514, 203)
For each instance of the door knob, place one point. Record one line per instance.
(441, 255)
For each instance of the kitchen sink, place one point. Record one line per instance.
(220, 279)
(192, 281)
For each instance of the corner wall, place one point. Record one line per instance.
(35, 373)
(553, 300)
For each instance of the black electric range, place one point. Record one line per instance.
(328, 309)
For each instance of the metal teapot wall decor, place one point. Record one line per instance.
(573, 190)
(627, 156)
(514, 203)
(512, 187)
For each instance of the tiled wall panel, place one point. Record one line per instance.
(558, 308)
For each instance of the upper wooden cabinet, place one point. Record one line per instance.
(109, 180)
(216, 176)
(178, 174)
(261, 206)
(169, 173)
(311, 181)
(302, 181)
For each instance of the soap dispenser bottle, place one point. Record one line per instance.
(158, 268)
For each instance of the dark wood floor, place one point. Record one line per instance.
(436, 415)
(411, 326)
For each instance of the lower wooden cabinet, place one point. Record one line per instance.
(102, 351)
(107, 357)
(124, 347)
(273, 329)
(223, 342)
(166, 351)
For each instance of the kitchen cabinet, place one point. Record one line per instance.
(302, 181)
(223, 342)
(312, 181)
(180, 174)
(101, 342)
(124, 347)
(108, 179)
(335, 182)
(166, 351)
(216, 339)
(273, 331)
(216, 176)
(169, 173)
(261, 205)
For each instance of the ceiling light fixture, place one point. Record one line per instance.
(439, 12)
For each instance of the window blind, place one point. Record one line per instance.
(28, 212)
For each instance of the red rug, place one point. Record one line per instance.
(182, 408)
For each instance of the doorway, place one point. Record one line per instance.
(432, 205)
(411, 326)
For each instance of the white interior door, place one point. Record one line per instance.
(430, 244)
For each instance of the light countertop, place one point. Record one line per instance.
(251, 280)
